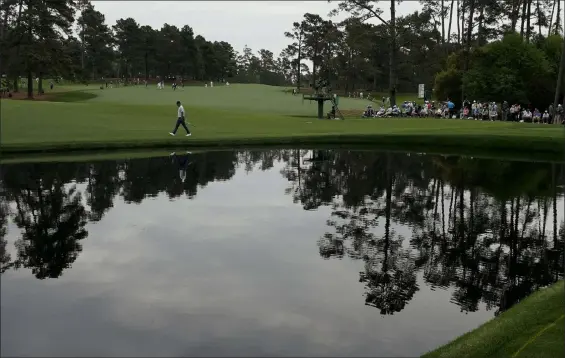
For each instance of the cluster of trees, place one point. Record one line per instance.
(485, 227)
(71, 39)
(456, 47)
(400, 53)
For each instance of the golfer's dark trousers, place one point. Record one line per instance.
(181, 122)
(182, 161)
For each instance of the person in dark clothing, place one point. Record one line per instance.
(505, 109)
(183, 161)
(466, 104)
(331, 114)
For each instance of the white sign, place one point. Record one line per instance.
(421, 90)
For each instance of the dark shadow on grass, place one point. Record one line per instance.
(72, 96)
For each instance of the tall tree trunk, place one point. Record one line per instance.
(442, 13)
(29, 83)
(2, 34)
(40, 83)
(18, 45)
(551, 18)
(458, 24)
(463, 23)
(145, 59)
(560, 79)
(313, 74)
(528, 19)
(481, 30)
(28, 62)
(539, 17)
(298, 64)
(450, 21)
(515, 12)
(558, 17)
(468, 42)
(392, 55)
(523, 17)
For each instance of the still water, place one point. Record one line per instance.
(283, 252)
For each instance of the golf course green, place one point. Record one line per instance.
(78, 118)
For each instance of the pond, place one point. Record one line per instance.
(280, 252)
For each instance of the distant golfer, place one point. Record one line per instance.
(180, 121)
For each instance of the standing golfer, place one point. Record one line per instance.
(180, 121)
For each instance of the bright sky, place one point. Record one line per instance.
(257, 24)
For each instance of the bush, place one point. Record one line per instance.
(448, 85)
(511, 70)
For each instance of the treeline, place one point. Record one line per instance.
(368, 53)
(37, 40)
(448, 45)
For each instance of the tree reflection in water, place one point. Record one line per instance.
(487, 228)
(476, 225)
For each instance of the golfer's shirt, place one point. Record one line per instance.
(180, 112)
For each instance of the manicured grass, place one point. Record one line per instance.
(139, 117)
(533, 328)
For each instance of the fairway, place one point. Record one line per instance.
(80, 117)
(239, 97)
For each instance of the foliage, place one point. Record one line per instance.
(448, 85)
(506, 70)
(510, 70)
(363, 53)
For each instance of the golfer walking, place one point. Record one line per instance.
(180, 121)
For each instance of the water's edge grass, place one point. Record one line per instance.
(113, 154)
(532, 328)
(507, 147)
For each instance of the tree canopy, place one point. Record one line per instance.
(507, 48)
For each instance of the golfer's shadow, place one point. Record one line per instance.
(182, 161)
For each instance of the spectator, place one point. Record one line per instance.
(504, 111)
(545, 117)
(536, 116)
(551, 112)
(559, 114)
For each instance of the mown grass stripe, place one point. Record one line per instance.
(537, 335)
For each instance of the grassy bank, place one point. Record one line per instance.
(534, 328)
(88, 155)
(243, 115)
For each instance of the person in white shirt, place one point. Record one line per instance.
(526, 116)
(545, 116)
(180, 121)
(493, 111)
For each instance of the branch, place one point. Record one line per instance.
(363, 5)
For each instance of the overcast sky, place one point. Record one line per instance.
(257, 24)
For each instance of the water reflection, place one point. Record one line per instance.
(491, 231)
